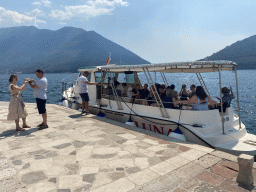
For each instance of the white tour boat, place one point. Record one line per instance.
(223, 131)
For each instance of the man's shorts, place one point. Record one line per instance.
(84, 96)
(41, 105)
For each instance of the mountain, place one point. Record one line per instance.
(25, 49)
(242, 52)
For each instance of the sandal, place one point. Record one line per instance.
(40, 125)
(26, 126)
(43, 127)
(20, 129)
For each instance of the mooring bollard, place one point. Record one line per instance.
(245, 163)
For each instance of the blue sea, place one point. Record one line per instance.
(246, 86)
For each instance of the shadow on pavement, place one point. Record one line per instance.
(13, 132)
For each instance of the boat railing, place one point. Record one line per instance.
(166, 105)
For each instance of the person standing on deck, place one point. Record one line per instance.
(39, 90)
(83, 91)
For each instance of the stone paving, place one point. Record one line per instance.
(89, 153)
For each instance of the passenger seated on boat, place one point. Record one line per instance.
(157, 87)
(144, 94)
(168, 102)
(199, 101)
(193, 91)
(150, 99)
(162, 94)
(116, 83)
(135, 93)
(124, 90)
(171, 93)
(164, 86)
(226, 99)
(184, 93)
(118, 86)
(129, 90)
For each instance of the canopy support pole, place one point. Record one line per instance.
(204, 84)
(155, 93)
(200, 78)
(101, 85)
(238, 107)
(119, 105)
(164, 78)
(222, 120)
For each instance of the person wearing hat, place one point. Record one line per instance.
(226, 99)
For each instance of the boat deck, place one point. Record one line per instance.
(89, 153)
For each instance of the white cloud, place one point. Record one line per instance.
(36, 13)
(45, 3)
(91, 9)
(10, 18)
(61, 23)
(37, 3)
(105, 3)
(60, 15)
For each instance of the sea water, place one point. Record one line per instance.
(246, 87)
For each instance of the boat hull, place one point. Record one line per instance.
(159, 126)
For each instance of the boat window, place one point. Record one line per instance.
(89, 77)
(121, 78)
(129, 78)
(98, 77)
(109, 76)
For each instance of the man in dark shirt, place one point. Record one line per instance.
(162, 92)
(226, 99)
(116, 83)
(144, 94)
(162, 95)
(135, 93)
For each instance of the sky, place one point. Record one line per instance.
(156, 30)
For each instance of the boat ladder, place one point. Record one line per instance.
(116, 97)
(201, 80)
(156, 95)
(164, 79)
(119, 105)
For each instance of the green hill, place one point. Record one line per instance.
(25, 49)
(242, 52)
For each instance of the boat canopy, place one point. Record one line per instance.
(175, 67)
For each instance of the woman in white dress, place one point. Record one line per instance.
(17, 107)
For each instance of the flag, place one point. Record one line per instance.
(108, 60)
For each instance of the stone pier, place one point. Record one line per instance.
(89, 153)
